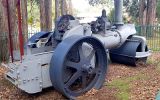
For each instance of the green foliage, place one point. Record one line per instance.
(33, 7)
(111, 15)
(158, 10)
(37, 2)
(132, 7)
(33, 12)
(124, 85)
(97, 2)
(104, 4)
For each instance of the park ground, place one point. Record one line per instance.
(122, 83)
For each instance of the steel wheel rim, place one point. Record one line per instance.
(57, 80)
(81, 74)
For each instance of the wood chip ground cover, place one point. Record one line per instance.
(122, 83)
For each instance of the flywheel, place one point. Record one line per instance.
(78, 64)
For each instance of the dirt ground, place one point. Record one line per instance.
(122, 83)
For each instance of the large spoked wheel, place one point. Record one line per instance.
(78, 64)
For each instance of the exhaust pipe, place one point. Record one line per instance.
(118, 4)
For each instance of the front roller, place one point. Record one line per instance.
(77, 65)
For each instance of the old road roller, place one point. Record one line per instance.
(74, 57)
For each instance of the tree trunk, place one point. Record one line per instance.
(63, 7)
(46, 15)
(70, 7)
(13, 23)
(4, 54)
(142, 12)
(150, 18)
(142, 16)
(42, 15)
(24, 19)
(151, 12)
(57, 9)
(4, 26)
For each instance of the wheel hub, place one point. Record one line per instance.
(87, 68)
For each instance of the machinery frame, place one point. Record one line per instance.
(73, 58)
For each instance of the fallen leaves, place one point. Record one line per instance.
(140, 88)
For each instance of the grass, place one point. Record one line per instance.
(158, 65)
(124, 85)
(156, 62)
(152, 61)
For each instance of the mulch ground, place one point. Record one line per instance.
(143, 88)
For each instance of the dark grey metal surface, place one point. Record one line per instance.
(118, 5)
(61, 26)
(126, 54)
(102, 24)
(36, 37)
(69, 67)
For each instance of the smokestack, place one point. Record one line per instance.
(118, 18)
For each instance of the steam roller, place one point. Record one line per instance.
(74, 57)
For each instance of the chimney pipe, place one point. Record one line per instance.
(118, 19)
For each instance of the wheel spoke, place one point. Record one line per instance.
(91, 55)
(96, 71)
(81, 52)
(72, 64)
(84, 80)
(73, 79)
